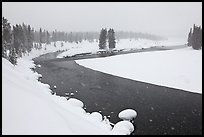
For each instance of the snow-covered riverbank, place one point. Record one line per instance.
(123, 44)
(29, 108)
(181, 68)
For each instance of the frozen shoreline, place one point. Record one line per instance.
(181, 68)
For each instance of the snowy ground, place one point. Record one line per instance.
(28, 107)
(127, 44)
(181, 68)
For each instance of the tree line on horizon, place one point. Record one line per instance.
(20, 39)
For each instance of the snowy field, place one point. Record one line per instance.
(125, 44)
(181, 68)
(29, 108)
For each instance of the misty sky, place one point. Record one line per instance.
(172, 19)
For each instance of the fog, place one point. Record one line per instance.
(169, 19)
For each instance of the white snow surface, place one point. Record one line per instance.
(127, 114)
(83, 47)
(119, 129)
(29, 108)
(96, 116)
(180, 68)
(76, 102)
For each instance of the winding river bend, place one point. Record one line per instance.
(161, 110)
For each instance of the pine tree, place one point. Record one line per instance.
(4, 55)
(12, 56)
(111, 39)
(47, 38)
(44, 36)
(41, 38)
(17, 39)
(199, 37)
(54, 37)
(196, 38)
(30, 39)
(25, 38)
(32, 36)
(6, 37)
(102, 39)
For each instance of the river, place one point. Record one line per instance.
(161, 110)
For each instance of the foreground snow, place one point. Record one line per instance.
(123, 44)
(181, 68)
(28, 107)
(127, 114)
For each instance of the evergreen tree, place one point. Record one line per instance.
(25, 38)
(44, 36)
(12, 56)
(41, 38)
(30, 39)
(111, 39)
(6, 37)
(4, 51)
(196, 38)
(199, 40)
(47, 38)
(102, 39)
(32, 36)
(17, 39)
(54, 37)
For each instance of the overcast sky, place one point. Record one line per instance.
(166, 19)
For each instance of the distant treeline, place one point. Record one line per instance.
(22, 38)
(77, 37)
(137, 35)
(47, 36)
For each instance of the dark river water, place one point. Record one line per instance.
(161, 110)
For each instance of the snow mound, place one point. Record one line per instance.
(123, 128)
(127, 114)
(76, 102)
(96, 116)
